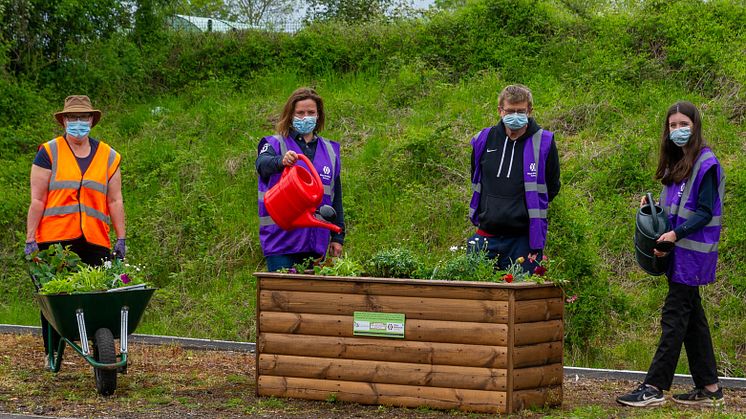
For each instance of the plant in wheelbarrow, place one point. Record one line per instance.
(101, 302)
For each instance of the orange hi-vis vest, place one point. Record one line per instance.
(76, 203)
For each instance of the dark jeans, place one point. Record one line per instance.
(683, 321)
(90, 254)
(277, 262)
(506, 249)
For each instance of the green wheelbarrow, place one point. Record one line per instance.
(100, 317)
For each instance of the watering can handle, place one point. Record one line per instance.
(311, 168)
(653, 214)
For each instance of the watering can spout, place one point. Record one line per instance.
(308, 220)
(292, 202)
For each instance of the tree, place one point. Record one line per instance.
(259, 12)
(37, 32)
(356, 10)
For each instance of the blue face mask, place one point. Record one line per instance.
(304, 125)
(515, 121)
(78, 129)
(680, 136)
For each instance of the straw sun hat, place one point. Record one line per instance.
(78, 104)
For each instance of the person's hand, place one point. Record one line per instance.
(289, 158)
(31, 247)
(665, 237)
(335, 249)
(643, 201)
(120, 249)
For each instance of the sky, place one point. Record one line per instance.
(423, 4)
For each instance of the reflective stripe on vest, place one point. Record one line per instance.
(76, 208)
(535, 186)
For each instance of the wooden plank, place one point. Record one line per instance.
(535, 377)
(383, 394)
(258, 312)
(536, 355)
(382, 349)
(383, 372)
(414, 329)
(431, 289)
(538, 397)
(413, 307)
(538, 332)
(271, 276)
(539, 310)
(538, 293)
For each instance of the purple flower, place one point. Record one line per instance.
(292, 271)
(125, 279)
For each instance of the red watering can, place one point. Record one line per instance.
(293, 200)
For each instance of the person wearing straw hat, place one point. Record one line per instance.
(76, 191)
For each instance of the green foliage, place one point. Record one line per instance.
(473, 266)
(343, 266)
(53, 262)
(109, 275)
(395, 263)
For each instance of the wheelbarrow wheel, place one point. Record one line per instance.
(105, 353)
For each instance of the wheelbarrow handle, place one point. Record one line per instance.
(35, 281)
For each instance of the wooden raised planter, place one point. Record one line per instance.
(473, 346)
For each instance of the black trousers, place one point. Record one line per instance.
(90, 254)
(683, 322)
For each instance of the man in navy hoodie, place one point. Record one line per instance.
(515, 174)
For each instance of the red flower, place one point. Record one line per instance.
(508, 278)
(125, 278)
(540, 270)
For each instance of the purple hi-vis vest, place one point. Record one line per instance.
(695, 257)
(276, 241)
(535, 153)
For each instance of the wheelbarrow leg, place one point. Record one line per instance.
(124, 327)
(54, 357)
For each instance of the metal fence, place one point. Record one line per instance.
(208, 24)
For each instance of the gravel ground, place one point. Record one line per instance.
(171, 382)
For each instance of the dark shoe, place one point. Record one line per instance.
(643, 396)
(701, 397)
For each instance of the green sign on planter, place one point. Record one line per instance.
(388, 325)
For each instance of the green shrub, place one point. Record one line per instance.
(395, 263)
(474, 266)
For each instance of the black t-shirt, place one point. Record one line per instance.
(43, 160)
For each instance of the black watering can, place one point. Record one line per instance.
(650, 224)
